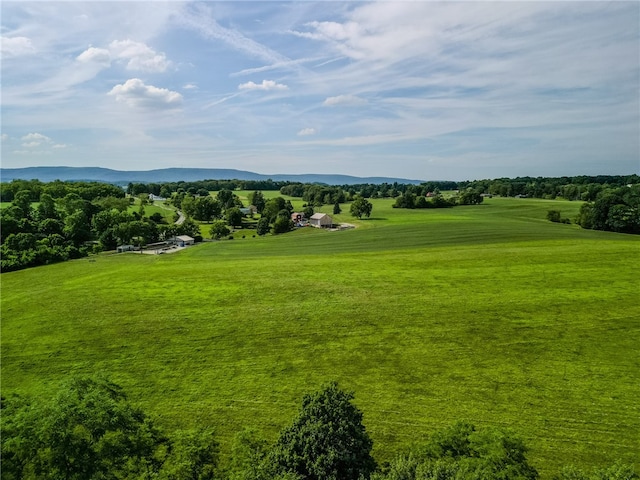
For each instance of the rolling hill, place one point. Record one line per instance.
(48, 174)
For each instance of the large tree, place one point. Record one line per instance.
(257, 200)
(88, 431)
(361, 206)
(327, 441)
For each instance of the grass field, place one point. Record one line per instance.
(489, 314)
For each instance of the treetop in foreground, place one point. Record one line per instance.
(327, 441)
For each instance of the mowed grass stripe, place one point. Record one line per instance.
(493, 318)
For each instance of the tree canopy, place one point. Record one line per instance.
(327, 440)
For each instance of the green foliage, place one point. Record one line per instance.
(88, 430)
(193, 456)
(248, 454)
(228, 199)
(308, 211)
(461, 452)
(263, 227)
(257, 200)
(219, 229)
(282, 223)
(554, 216)
(616, 210)
(206, 208)
(336, 209)
(234, 216)
(361, 206)
(327, 440)
(272, 207)
(470, 196)
(617, 471)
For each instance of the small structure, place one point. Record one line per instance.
(126, 248)
(248, 211)
(153, 197)
(184, 240)
(321, 220)
(298, 219)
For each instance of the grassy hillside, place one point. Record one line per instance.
(490, 314)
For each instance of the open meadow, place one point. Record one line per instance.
(488, 313)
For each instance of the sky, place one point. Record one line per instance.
(410, 89)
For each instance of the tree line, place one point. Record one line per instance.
(71, 214)
(71, 220)
(90, 430)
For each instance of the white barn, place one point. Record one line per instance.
(321, 220)
(184, 240)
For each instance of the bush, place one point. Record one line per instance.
(554, 216)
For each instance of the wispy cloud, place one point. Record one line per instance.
(305, 132)
(345, 100)
(200, 18)
(16, 46)
(401, 87)
(266, 85)
(97, 55)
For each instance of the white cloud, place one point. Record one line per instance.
(96, 55)
(37, 143)
(347, 100)
(16, 46)
(136, 94)
(306, 131)
(35, 139)
(266, 85)
(190, 86)
(4, 137)
(140, 56)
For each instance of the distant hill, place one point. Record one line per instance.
(48, 174)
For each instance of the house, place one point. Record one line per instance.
(153, 197)
(126, 248)
(298, 219)
(184, 240)
(321, 220)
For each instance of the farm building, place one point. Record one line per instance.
(184, 240)
(126, 248)
(297, 218)
(321, 220)
(249, 211)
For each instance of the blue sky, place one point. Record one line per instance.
(421, 90)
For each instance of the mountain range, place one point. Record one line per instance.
(48, 174)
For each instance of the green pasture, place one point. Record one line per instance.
(487, 313)
(158, 206)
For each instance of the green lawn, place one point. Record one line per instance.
(489, 314)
